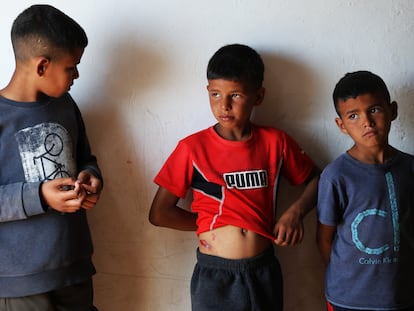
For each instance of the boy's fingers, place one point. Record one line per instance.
(280, 235)
(89, 189)
(285, 237)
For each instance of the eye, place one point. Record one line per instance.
(353, 116)
(236, 95)
(375, 110)
(214, 94)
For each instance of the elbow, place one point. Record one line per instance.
(153, 219)
(314, 175)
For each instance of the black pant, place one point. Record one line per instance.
(252, 284)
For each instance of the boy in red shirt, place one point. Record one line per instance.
(233, 169)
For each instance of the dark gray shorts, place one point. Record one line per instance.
(237, 285)
(72, 298)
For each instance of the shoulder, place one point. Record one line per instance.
(282, 141)
(403, 161)
(268, 132)
(192, 142)
(403, 155)
(335, 166)
(197, 137)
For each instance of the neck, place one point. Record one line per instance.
(234, 134)
(21, 88)
(372, 156)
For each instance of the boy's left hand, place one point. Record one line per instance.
(289, 230)
(92, 186)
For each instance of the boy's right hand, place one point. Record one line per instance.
(63, 194)
(288, 230)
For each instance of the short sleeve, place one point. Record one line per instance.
(297, 165)
(176, 173)
(327, 206)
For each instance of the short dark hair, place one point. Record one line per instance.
(43, 30)
(236, 62)
(358, 83)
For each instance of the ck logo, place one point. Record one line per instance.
(379, 213)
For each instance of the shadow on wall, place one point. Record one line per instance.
(118, 224)
(115, 115)
(291, 89)
(402, 129)
(292, 92)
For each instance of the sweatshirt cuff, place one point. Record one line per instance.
(32, 202)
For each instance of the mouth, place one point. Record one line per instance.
(226, 118)
(370, 134)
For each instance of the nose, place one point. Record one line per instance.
(367, 120)
(75, 74)
(225, 103)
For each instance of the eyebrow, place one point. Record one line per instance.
(346, 113)
(378, 104)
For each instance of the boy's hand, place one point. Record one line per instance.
(63, 194)
(92, 187)
(289, 229)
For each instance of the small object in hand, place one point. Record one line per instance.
(67, 187)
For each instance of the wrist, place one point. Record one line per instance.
(298, 210)
(42, 199)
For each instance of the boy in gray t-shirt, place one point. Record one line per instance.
(365, 205)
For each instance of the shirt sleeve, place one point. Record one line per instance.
(20, 201)
(327, 202)
(176, 173)
(297, 165)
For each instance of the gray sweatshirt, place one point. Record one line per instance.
(40, 248)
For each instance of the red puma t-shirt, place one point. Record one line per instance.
(234, 182)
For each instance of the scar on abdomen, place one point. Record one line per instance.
(205, 244)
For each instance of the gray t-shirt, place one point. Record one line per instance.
(372, 207)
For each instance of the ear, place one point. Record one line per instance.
(260, 94)
(340, 125)
(394, 110)
(41, 65)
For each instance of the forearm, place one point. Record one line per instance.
(175, 218)
(325, 251)
(164, 212)
(308, 199)
(20, 201)
(289, 229)
(325, 235)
